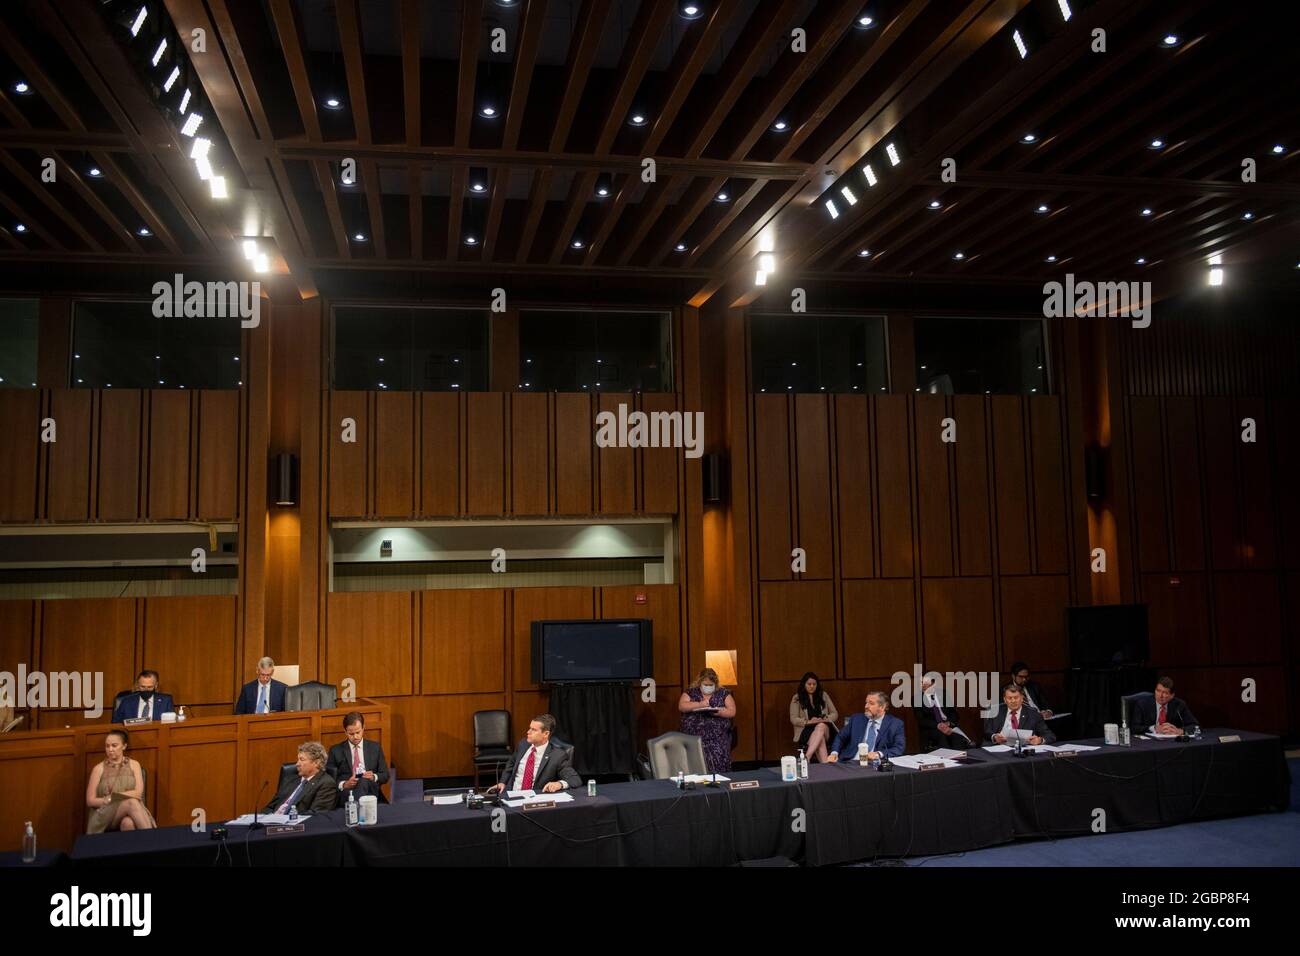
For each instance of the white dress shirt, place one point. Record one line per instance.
(537, 766)
(1020, 717)
(356, 752)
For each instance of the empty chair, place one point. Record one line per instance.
(311, 695)
(676, 751)
(492, 744)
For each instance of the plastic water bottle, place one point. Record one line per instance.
(293, 813)
(803, 764)
(29, 843)
(352, 808)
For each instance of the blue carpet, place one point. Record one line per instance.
(1266, 839)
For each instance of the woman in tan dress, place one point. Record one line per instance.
(115, 793)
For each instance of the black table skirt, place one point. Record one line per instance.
(842, 813)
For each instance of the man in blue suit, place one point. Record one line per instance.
(262, 696)
(880, 731)
(147, 702)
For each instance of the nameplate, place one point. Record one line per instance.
(930, 766)
(285, 828)
(743, 785)
(137, 720)
(1230, 739)
(540, 805)
(1065, 753)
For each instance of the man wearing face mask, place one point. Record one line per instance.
(147, 703)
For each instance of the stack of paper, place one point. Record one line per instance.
(560, 797)
(270, 818)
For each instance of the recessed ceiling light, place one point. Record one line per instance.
(478, 186)
(359, 236)
(847, 193)
(471, 240)
(1051, 258)
(201, 147)
(1029, 138)
(959, 255)
(869, 173)
(191, 124)
(1020, 44)
(158, 53)
(1156, 144)
(637, 119)
(723, 196)
(1278, 149)
(1216, 277)
(22, 88)
(864, 253)
(1042, 207)
(767, 262)
(488, 110)
(1065, 9)
(576, 244)
(780, 126)
(172, 77)
(1141, 260)
(143, 232)
(864, 21)
(204, 167)
(20, 228)
(1247, 215)
(680, 247)
(892, 152)
(333, 103)
(690, 9)
(1146, 211)
(830, 208)
(935, 204)
(1171, 39)
(604, 185)
(138, 22)
(218, 185)
(94, 172)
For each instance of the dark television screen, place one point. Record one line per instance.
(1107, 635)
(591, 650)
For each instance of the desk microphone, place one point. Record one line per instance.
(255, 825)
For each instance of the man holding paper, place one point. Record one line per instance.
(1014, 719)
(939, 723)
(540, 764)
(880, 731)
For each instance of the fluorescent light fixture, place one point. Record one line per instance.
(1216, 277)
(218, 186)
(139, 21)
(204, 167)
(1020, 44)
(847, 193)
(893, 154)
(200, 148)
(869, 173)
(830, 208)
(250, 249)
(765, 242)
(1065, 9)
(172, 77)
(1216, 259)
(192, 122)
(767, 262)
(158, 53)
(261, 263)
(185, 101)
(760, 278)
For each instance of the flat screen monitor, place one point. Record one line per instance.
(592, 651)
(1108, 635)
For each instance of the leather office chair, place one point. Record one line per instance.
(1132, 700)
(492, 749)
(676, 751)
(288, 771)
(311, 695)
(118, 699)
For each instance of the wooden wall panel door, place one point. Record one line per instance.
(20, 442)
(617, 465)
(1049, 484)
(934, 491)
(894, 486)
(813, 474)
(542, 604)
(1255, 467)
(1178, 618)
(394, 473)
(773, 486)
(348, 477)
(435, 734)
(1150, 516)
(575, 428)
(659, 465)
(1033, 621)
(485, 478)
(974, 537)
(463, 641)
(120, 415)
(440, 454)
(68, 471)
(91, 634)
(879, 627)
(191, 642)
(530, 472)
(1222, 435)
(958, 620)
(218, 454)
(369, 639)
(17, 623)
(169, 455)
(199, 775)
(1010, 487)
(1185, 488)
(853, 480)
(797, 621)
(1248, 618)
(663, 607)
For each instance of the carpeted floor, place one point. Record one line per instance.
(1266, 839)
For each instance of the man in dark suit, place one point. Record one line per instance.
(540, 764)
(264, 695)
(1032, 692)
(881, 731)
(357, 764)
(146, 702)
(312, 791)
(1161, 711)
(938, 722)
(1014, 714)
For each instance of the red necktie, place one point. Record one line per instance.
(528, 770)
(356, 759)
(1015, 721)
(1161, 718)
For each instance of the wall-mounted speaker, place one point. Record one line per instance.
(715, 479)
(284, 476)
(1094, 472)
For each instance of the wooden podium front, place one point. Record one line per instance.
(218, 765)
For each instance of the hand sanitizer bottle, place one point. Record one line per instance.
(803, 765)
(29, 843)
(352, 808)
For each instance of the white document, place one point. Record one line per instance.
(1156, 736)
(520, 794)
(448, 801)
(705, 778)
(560, 797)
(916, 761)
(997, 748)
(1076, 748)
(271, 818)
(943, 753)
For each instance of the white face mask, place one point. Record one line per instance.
(707, 689)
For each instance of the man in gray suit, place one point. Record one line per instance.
(313, 791)
(540, 764)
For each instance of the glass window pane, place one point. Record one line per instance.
(572, 351)
(981, 356)
(124, 345)
(420, 349)
(19, 323)
(818, 353)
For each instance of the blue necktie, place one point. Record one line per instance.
(293, 797)
(871, 737)
(261, 699)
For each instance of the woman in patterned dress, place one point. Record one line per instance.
(115, 793)
(707, 710)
